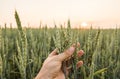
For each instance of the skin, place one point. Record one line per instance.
(51, 68)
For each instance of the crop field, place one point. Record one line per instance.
(23, 50)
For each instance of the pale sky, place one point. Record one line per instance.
(97, 12)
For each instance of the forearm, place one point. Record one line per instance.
(43, 75)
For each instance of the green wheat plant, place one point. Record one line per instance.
(23, 50)
(21, 58)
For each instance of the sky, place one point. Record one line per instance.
(99, 13)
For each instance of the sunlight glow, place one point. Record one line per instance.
(84, 24)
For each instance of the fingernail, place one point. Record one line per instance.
(81, 62)
(82, 52)
(71, 49)
(56, 49)
(78, 44)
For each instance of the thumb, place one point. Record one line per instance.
(66, 53)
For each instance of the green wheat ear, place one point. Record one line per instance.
(21, 59)
(18, 20)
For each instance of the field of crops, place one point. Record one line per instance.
(23, 50)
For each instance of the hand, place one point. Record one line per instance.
(51, 68)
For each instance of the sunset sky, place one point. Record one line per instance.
(99, 13)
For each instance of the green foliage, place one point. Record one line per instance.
(21, 56)
(23, 50)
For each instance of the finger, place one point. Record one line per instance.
(54, 52)
(79, 64)
(76, 45)
(80, 53)
(66, 54)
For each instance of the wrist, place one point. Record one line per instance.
(43, 75)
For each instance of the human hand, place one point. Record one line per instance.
(51, 68)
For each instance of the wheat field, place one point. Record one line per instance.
(23, 50)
